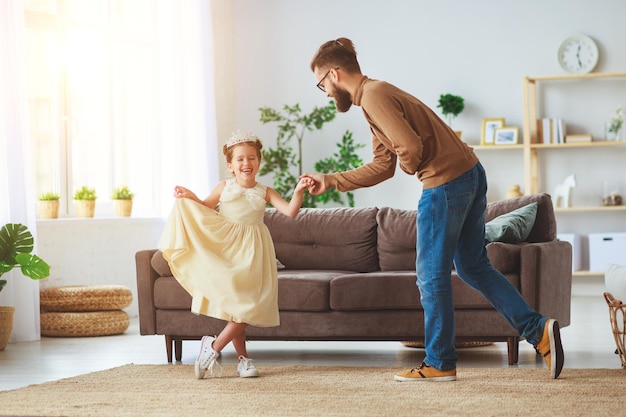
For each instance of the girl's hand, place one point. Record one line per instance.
(303, 184)
(182, 192)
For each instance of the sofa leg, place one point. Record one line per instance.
(178, 349)
(168, 347)
(513, 349)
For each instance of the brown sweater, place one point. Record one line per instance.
(405, 129)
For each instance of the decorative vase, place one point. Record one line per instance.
(6, 325)
(123, 208)
(85, 208)
(611, 134)
(48, 209)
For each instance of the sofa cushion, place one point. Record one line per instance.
(160, 265)
(330, 238)
(390, 290)
(512, 227)
(169, 295)
(396, 239)
(305, 290)
(544, 229)
(397, 290)
(505, 257)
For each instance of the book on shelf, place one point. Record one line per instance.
(578, 138)
(551, 130)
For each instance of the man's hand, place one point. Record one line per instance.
(316, 183)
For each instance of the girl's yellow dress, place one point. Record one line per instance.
(225, 259)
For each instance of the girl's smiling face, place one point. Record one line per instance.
(245, 164)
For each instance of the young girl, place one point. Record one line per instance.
(225, 259)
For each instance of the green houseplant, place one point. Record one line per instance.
(85, 201)
(451, 106)
(285, 164)
(49, 205)
(343, 160)
(123, 201)
(16, 245)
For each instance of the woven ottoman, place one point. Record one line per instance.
(81, 311)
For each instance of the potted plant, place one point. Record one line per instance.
(123, 201)
(16, 245)
(286, 165)
(85, 201)
(451, 106)
(49, 205)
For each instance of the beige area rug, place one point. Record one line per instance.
(172, 390)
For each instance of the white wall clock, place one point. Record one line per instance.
(578, 54)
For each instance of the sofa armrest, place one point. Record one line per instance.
(546, 278)
(146, 276)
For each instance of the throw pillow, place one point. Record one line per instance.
(512, 227)
(615, 281)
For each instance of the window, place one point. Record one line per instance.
(92, 98)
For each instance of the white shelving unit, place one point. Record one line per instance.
(534, 151)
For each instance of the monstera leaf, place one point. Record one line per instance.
(16, 245)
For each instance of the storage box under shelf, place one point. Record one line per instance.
(574, 239)
(606, 248)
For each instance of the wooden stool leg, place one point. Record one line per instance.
(168, 347)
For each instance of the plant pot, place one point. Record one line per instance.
(85, 208)
(458, 133)
(6, 325)
(48, 209)
(123, 208)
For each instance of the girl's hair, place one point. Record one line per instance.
(337, 53)
(228, 150)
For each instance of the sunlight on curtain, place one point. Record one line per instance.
(188, 130)
(17, 200)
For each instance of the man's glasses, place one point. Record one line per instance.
(319, 84)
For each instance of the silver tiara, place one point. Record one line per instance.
(241, 136)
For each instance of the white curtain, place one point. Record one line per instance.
(17, 201)
(188, 133)
(187, 128)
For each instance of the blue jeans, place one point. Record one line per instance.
(451, 228)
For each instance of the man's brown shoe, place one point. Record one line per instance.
(551, 348)
(425, 373)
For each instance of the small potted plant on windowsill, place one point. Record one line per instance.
(451, 106)
(85, 201)
(16, 245)
(49, 205)
(123, 201)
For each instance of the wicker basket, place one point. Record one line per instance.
(618, 325)
(85, 298)
(92, 323)
(6, 325)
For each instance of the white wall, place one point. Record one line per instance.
(478, 49)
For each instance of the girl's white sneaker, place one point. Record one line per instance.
(246, 368)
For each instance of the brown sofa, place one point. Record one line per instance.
(350, 275)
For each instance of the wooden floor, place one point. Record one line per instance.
(588, 343)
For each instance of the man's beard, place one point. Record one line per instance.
(343, 102)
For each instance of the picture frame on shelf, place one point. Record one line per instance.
(507, 135)
(489, 129)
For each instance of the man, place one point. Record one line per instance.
(451, 209)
